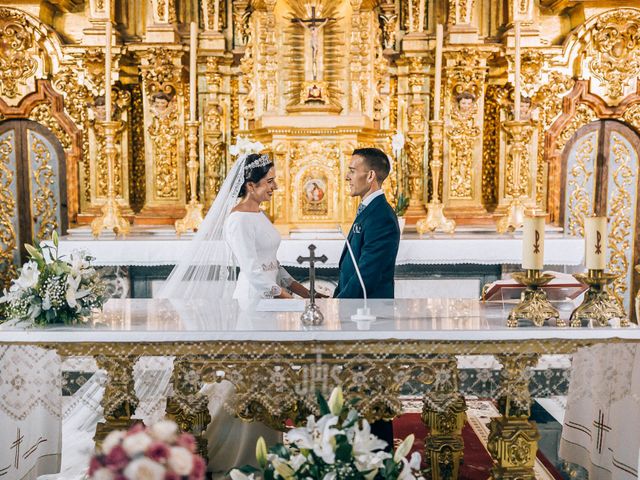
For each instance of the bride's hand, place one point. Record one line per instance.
(284, 294)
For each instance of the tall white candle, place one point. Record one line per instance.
(516, 80)
(533, 243)
(193, 66)
(107, 63)
(438, 72)
(421, 19)
(595, 240)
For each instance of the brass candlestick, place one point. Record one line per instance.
(517, 131)
(598, 304)
(193, 217)
(534, 305)
(111, 218)
(436, 219)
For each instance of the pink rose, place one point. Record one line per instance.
(180, 460)
(117, 459)
(136, 428)
(187, 441)
(199, 468)
(158, 451)
(94, 465)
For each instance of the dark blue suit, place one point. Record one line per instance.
(374, 238)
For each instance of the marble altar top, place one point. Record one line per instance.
(158, 320)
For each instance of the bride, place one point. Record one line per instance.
(235, 233)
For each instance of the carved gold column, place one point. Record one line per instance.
(463, 101)
(187, 406)
(444, 413)
(513, 439)
(436, 219)
(417, 114)
(216, 129)
(193, 218)
(119, 401)
(111, 218)
(517, 174)
(165, 187)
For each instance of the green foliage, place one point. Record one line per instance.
(401, 205)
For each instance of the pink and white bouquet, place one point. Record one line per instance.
(158, 452)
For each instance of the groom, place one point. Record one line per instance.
(375, 234)
(374, 238)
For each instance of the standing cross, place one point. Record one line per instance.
(312, 259)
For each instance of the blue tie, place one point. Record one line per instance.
(361, 207)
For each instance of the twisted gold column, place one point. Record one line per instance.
(111, 218)
(119, 401)
(193, 217)
(513, 439)
(436, 219)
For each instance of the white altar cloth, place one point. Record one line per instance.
(161, 320)
(463, 249)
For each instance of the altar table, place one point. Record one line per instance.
(277, 365)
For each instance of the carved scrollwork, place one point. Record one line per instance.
(19, 53)
(614, 50)
(8, 238)
(43, 198)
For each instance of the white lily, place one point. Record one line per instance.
(238, 475)
(29, 275)
(409, 467)
(404, 448)
(318, 437)
(336, 401)
(364, 445)
(77, 262)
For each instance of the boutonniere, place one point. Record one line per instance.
(357, 228)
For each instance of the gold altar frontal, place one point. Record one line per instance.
(277, 366)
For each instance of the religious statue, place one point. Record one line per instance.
(164, 133)
(462, 136)
(314, 25)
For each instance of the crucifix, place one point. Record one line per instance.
(313, 24)
(312, 314)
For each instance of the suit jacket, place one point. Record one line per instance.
(374, 238)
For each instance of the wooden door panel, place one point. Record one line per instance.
(9, 222)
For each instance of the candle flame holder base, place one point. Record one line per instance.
(192, 219)
(435, 220)
(599, 305)
(534, 305)
(514, 218)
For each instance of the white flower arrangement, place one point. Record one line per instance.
(52, 289)
(244, 146)
(397, 143)
(337, 445)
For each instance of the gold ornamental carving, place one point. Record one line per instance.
(494, 99)
(8, 239)
(462, 137)
(583, 116)
(164, 99)
(18, 58)
(621, 204)
(42, 114)
(614, 52)
(580, 203)
(632, 116)
(43, 198)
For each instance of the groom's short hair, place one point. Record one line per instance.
(376, 160)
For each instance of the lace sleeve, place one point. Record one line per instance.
(284, 279)
(241, 238)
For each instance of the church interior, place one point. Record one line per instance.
(118, 120)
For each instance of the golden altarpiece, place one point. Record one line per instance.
(312, 80)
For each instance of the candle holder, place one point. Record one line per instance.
(193, 217)
(517, 131)
(598, 304)
(534, 305)
(436, 219)
(111, 218)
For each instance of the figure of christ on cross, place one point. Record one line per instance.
(313, 24)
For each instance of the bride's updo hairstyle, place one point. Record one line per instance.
(256, 167)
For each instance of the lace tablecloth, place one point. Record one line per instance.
(601, 430)
(479, 250)
(30, 412)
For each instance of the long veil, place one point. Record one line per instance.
(207, 268)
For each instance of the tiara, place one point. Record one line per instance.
(261, 161)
